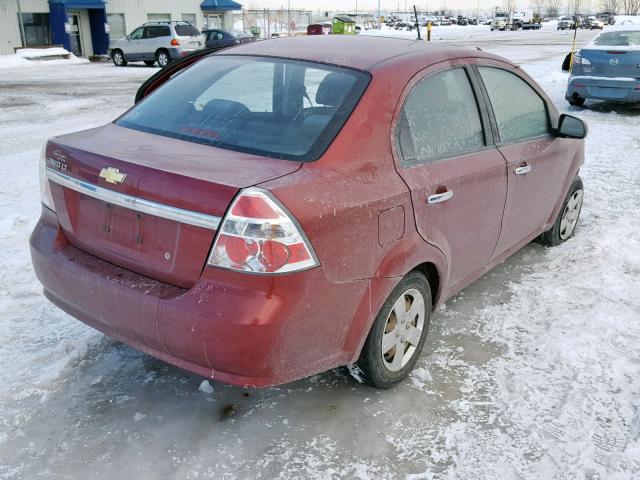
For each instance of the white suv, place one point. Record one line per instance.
(160, 42)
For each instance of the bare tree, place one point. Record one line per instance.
(576, 6)
(509, 5)
(631, 7)
(552, 8)
(538, 5)
(610, 6)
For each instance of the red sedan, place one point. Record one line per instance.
(286, 207)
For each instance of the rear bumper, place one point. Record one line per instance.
(180, 52)
(248, 330)
(604, 88)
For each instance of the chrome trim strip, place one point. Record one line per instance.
(134, 203)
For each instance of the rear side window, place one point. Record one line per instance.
(440, 118)
(519, 110)
(272, 107)
(184, 30)
(156, 31)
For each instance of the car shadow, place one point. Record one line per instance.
(130, 410)
(607, 106)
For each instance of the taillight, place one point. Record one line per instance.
(175, 42)
(45, 188)
(259, 235)
(581, 60)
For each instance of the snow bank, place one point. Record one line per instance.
(30, 57)
(627, 20)
(42, 52)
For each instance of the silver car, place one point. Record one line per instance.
(160, 42)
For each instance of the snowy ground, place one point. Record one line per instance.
(531, 372)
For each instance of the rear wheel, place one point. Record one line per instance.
(397, 335)
(163, 58)
(576, 101)
(118, 58)
(565, 225)
(149, 63)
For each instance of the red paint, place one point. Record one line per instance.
(365, 216)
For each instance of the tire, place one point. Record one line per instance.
(163, 58)
(576, 101)
(149, 63)
(565, 225)
(118, 58)
(384, 369)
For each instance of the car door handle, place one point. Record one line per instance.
(439, 197)
(523, 169)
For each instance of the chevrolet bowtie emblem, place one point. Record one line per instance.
(112, 175)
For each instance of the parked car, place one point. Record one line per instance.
(595, 23)
(607, 68)
(565, 23)
(260, 216)
(153, 42)
(216, 38)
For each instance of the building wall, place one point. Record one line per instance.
(135, 11)
(135, 14)
(9, 28)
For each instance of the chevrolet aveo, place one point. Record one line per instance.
(286, 207)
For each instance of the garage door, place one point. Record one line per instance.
(158, 17)
(117, 28)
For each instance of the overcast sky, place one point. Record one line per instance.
(370, 5)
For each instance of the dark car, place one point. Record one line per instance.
(286, 207)
(226, 38)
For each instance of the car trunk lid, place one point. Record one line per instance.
(148, 203)
(615, 62)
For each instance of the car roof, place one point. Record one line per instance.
(360, 52)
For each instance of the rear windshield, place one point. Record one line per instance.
(618, 39)
(271, 107)
(183, 30)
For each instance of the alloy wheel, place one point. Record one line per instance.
(570, 215)
(403, 330)
(163, 59)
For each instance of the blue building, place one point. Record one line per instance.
(85, 27)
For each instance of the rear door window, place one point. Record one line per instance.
(439, 119)
(273, 107)
(520, 112)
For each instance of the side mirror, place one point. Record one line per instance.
(571, 127)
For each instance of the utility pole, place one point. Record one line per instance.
(289, 9)
(379, 16)
(23, 37)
